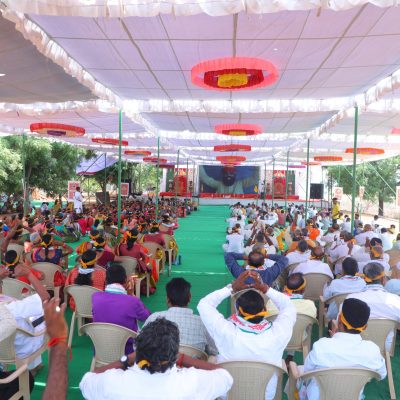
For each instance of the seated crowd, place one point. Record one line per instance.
(282, 267)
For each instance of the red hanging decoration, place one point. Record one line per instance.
(311, 163)
(296, 166)
(238, 129)
(231, 159)
(395, 131)
(143, 153)
(112, 142)
(234, 73)
(232, 147)
(328, 158)
(153, 160)
(366, 151)
(52, 129)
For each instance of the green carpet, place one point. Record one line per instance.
(200, 237)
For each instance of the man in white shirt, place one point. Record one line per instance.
(348, 283)
(78, 201)
(366, 234)
(332, 235)
(376, 255)
(346, 226)
(382, 303)
(246, 335)
(191, 330)
(151, 373)
(235, 241)
(387, 239)
(315, 264)
(345, 349)
(341, 249)
(299, 255)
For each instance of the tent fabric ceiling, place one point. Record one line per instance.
(31, 77)
(146, 8)
(328, 61)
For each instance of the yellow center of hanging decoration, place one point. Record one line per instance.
(237, 133)
(232, 80)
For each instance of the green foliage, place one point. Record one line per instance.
(10, 170)
(48, 165)
(379, 178)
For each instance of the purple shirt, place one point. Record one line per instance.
(119, 309)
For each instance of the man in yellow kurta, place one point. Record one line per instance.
(335, 210)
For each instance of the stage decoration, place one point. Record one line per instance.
(366, 151)
(395, 131)
(143, 153)
(296, 166)
(311, 163)
(231, 164)
(153, 160)
(232, 147)
(112, 142)
(167, 166)
(328, 158)
(238, 129)
(230, 159)
(52, 129)
(234, 73)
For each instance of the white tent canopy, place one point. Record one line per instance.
(100, 56)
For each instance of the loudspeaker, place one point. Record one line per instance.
(317, 191)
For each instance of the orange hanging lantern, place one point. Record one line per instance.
(143, 153)
(231, 159)
(234, 73)
(232, 147)
(328, 158)
(366, 151)
(153, 160)
(238, 129)
(311, 163)
(112, 142)
(52, 129)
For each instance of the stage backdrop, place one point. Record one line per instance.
(232, 180)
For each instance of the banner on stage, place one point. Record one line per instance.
(338, 192)
(398, 196)
(124, 189)
(229, 179)
(72, 185)
(361, 192)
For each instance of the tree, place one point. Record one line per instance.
(48, 165)
(10, 170)
(379, 178)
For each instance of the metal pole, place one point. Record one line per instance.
(158, 169)
(177, 174)
(273, 181)
(187, 179)
(119, 171)
(265, 182)
(353, 192)
(287, 180)
(105, 179)
(307, 177)
(24, 188)
(339, 177)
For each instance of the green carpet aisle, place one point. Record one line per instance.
(199, 237)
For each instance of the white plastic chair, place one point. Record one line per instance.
(172, 251)
(22, 374)
(17, 247)
(109, 341)
(152, 248)
(82, 295)
(49, 270)
(130, 263)
(315, 285)
(15, 288)
(250, 379)
(377, 331)
(334, 383)
(193, 352)
(322, 312)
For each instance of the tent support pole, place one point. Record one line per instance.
(24, 188)
(119, 172)
(158, 171)
(354, 183)
(287, 180)
(187, 180)
(265, 183)
(176, 174)
(307, 179)
(273, 182)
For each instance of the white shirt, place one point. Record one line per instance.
(363, 255)
(346, 226)
(331, 237)
(174, 384)
(342, 350)
(78, 200)
(235, 243)
(361, 237)
(313, 266)
(387, 241)
(296, 256)
(235, 344)
(345, 284)
(336, 252)
(384, 264)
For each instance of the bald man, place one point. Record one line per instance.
(314, 264)
(377, 255)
